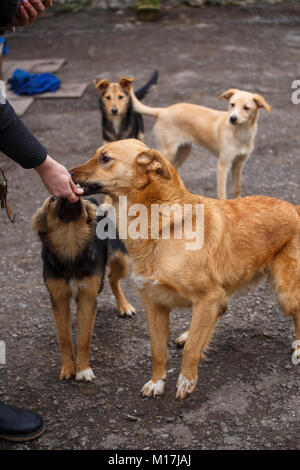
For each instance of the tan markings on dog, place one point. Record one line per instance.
(61, 294)
(230, 135)
(243, 239)
(86, 313)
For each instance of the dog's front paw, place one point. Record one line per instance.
(153, 388)
(126, 310)
(67, 371)
(185, 386)
(181, 340)
(86, 375)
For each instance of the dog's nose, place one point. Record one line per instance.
(114, 110)
(233, 119)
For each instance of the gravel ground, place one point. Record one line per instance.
(248, 390)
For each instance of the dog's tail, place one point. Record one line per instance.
(142, 108)
(143, 91)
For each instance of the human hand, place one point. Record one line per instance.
(30, 10)
(58, 181)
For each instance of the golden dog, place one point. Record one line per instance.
(244, 239)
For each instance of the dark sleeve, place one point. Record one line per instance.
(8, 10)
(17, 142)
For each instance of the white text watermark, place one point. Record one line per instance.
(160, 221)
(296, 94)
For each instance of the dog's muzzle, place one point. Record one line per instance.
(90, 188)
(68, 211)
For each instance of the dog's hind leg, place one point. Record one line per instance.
(182, 153)
(237, 168)
(165, 144)
(60, 294)
(158, 325)
(205, 316)
(168, 151)
(118, 264)
(181, 340)
(88, 289)
(286, 275)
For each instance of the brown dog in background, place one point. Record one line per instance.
(74, 262)
(244, 239)
(229, 135)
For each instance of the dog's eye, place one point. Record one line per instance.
(246, 108)
(107, 98)
(121, 97)
(232, 105)
(53, 199)
(105, 159)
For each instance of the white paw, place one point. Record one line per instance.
(185, 386)
(128, 311)
(87, 375)
(153, 388)
(181, 340)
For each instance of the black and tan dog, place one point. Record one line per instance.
(74, 260)
(119, 120)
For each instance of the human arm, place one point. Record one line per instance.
(18, 143)
(58, 180)
(13, 14)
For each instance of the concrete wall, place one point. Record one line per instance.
(87, 4)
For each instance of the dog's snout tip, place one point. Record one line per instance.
(74, 175)
(114, 110)
(233, 119)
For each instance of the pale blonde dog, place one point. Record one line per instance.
(244, 239)
(229, 135)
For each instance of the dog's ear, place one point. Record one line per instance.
(101, 84)
(126, 82)
(261, 102)
(152, 161)
(228, 93)
(39, 221)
